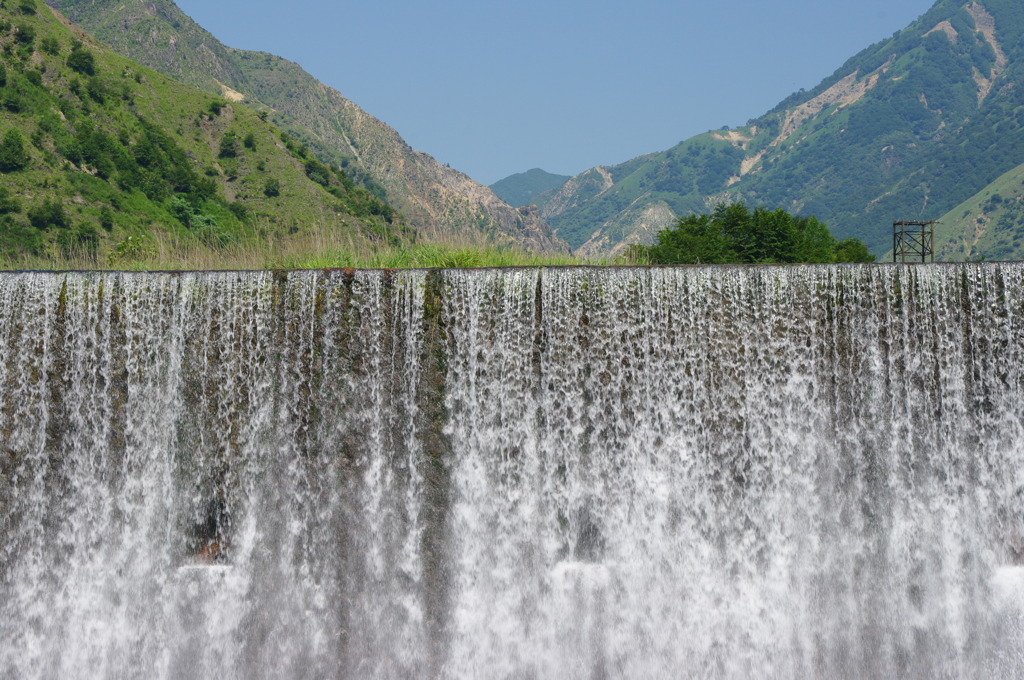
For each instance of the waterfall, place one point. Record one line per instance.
(528, 473)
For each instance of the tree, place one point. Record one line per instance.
(272, 187)
(735, 234)
(695, 239)
(852, 250)
(13, 155)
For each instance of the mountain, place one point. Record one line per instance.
(909, 128)
(437, 202)
(990, 224)
(524, 187)
(106, 159)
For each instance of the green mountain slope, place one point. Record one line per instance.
(107, 161)
(909, 128)
(989, 224)
(438, 202)
(523, 188)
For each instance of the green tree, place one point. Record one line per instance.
(852, 250)
(13, 155)
(695, 239)
(735, 234)
(814, 242)
(272, 187)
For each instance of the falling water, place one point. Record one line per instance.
(779, 472)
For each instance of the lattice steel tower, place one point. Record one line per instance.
(913, 241)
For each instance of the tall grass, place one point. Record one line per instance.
(164, 251)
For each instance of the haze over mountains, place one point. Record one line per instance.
(523, 188)
(913, 127)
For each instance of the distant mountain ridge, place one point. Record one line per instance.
(523, 188)
(909, 128)
(438, 202)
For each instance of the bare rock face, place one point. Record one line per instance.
(637, 226)
(439, 203)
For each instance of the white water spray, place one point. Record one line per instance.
(529, 473)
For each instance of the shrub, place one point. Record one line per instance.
(8, 203)
(35, 77)
(82, 240)
(49, 214)
(106, 218)
(181, 209)
(50, 45)
(238, 210)
(16, 238)
(26, 35)
(228, 145)
(82, 61)
(97, 90)
(27, 7)
(13, 155)
(317, 172)
(272, 187)
(132, 249)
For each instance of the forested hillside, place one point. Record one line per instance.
(909, 128)
(438, 202)
(106, 162)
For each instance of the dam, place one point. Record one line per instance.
(526, 473)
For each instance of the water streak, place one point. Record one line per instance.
(526, 473)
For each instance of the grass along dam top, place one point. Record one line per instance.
(545, 472)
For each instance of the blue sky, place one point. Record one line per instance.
(495, 88)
